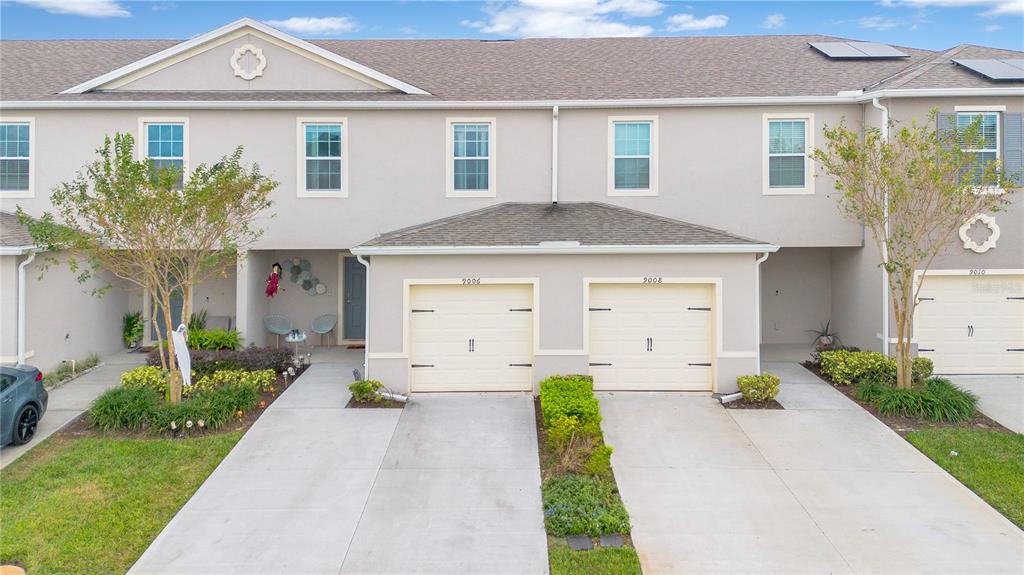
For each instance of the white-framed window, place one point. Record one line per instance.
(17, 157)
(633, 156)
(787, 167)
(986, 148)
(322, 157)
(164, 141)
(471, 152)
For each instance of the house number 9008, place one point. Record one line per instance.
(653, 280)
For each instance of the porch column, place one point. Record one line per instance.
(242, 296)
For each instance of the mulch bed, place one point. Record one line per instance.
(904, 425)
(386, 404)
(744, 404)
(80, 427)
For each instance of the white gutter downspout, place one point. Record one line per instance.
(757, 310)
(885, 247)
(22, 305)
(366, 322)
(554, 155)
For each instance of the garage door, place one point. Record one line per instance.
(972, 324)
(651, 337)
(471, 337)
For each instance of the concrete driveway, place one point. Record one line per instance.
(448, 485)
(821, 487)
(1000, 397)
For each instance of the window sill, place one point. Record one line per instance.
(17, 194)
(629, 193)
(471, 194)
(788, 192)
(320, 194)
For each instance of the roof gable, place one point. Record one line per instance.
(244, 55)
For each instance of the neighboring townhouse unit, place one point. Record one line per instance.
(483, 214)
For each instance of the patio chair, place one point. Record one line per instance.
(277, 325)
(324, 324)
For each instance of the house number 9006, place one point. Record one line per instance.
(470, 281)
(653, 280)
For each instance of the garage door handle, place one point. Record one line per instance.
(650, 344)
(970, 331)
(472, 345)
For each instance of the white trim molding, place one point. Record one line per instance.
(31, 191)
(142, 143)
(563, 249)
(808, 187)
(231, 31)
(980, 108)
(492, 158)
(652, 189)
(300, 156)
(989, 243)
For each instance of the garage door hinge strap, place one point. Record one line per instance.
(926, 349)
(422, 365)
(422, 311)
(925, 299)
(600, 365)
(600, 309)
(1017, 297)
(1015, 349)
(699, 308)
(521, 309)
(520, 365)
(700, 364)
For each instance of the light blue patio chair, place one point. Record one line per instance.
(277, 325)
(325, 324)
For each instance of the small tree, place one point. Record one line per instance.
(146, 227)
(913, 192)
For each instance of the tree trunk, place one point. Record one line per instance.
(154, 326)
(174, 379)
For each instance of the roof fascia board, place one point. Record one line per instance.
(563, 250)
(16, 250)
(510, 104)
(232, 27)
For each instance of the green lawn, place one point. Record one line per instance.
(93, 505)
(990, 463)
(599, 561)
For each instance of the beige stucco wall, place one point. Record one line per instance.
(857, 296)
(561, 304)
(8, 308)
(796, 294)
(292, 301)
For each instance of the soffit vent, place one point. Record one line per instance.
(857, 50)
(996, 69)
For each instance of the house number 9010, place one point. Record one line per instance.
(653, 280)
(978, 272)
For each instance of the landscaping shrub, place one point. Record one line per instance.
(921, 369)
(252, 358)
(145, 377)
(578, 504)
(845, 366)
(758, 388)
(569, 396)
(937, 399)
(365, 391)
(599, 463)
(214, 339)
(261, 380)
(64, 371)
(906, 402)
(871, 390)
(123, 408)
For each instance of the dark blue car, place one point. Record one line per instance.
(22, 403)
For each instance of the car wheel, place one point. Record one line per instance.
(25, 428)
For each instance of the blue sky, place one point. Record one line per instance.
(930, 24)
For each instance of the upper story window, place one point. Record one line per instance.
(16, 157)
(165, 144)
(787, 168)
(322, 158)
(633, 147)
(986, 147)
(471, 157)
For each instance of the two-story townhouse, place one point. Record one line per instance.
(482, 214)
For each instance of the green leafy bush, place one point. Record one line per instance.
(845, 366)
(569, 396)
(578, 504)
(260, 380)
(252, 358)
(921, 369)
(214, 339)
(600, 462)
(124, 408)
(906, 402)
(64, 371)
(871, 389)
(146, 377)
(937, 399)
(365, 391)
(131, 328)
(758, 388)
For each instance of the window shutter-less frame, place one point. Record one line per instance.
(1013, 147)
(946, 123)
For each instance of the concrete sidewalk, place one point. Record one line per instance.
(1000, 397)
(821, 487)
(446, 485)
(69, 400)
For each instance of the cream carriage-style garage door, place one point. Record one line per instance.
(972, 323)
(651, 337)
(471, 337)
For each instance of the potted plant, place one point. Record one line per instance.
(824, 337)
(131, 329)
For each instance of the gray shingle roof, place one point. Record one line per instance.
(12, 232)
(529, 224)
(530, 69)
(939, 70)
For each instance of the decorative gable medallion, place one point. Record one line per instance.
(989, 243)
(254, 72)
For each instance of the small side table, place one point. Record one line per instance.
(296, 337)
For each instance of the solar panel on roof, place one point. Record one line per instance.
(996, 69)
(857, 50)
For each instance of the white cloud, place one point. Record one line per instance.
(774, 22)
(877, 23)
(407, 30)
(992, 7)
(688, 22)
(566, 18)
(91, 8)
(993, 28)
(315, 26)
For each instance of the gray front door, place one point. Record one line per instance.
(354, 309)
(177, 307)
